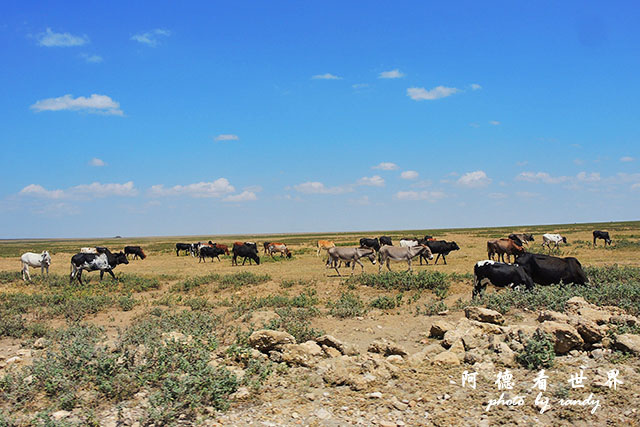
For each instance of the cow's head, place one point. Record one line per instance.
(121, 258)
(454, 246)
(529, 237)
(564, 240)
(288, 253)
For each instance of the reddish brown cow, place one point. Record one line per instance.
(225, 248)
(502, 247)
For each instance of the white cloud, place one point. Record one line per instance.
(218, 188)
(326, 76)
(636, 186)
(527, 195)
(497, 196)
(386, 166)
(151, 38)
(97, 189)
(475, 86)
(95, 104)
(474, 179)
(97, 162)
(51, 39)
(591, 177)
(494, 122)
(392, 74)
(36, 190)
(626, 159)
(245, 196)
(541, 177)
(314, 187)
(360, 201)
(360, 85)
(420, 93)
(373, 181)
(226, 137)
(93, 190)
(409, 175)
(92, 59)
(430, 196)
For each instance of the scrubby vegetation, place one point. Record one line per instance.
(538, 352)
(348, 305)
(435, 281)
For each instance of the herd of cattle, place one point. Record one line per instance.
(526, 269)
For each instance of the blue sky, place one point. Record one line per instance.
(170, 118)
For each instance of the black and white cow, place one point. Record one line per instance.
(385, 240)
(136, 251)
(440, 247)
(189, 248)
(500, 275)
(245, 251)
(370, 243)
(104, 261)
(211, 252)
(547, 269)
(604, 235)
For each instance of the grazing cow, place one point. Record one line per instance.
(324, 244)
(499, 275)
(502, 247)
(88, 251)
(245, 251)
(266, 246)
(388, 253)
(408, 243)
(385, 240)
(30, 259)
(521, 238)
(427, 237)
(224, 248)
(553, 239)
(352, 255)
(136, 251)
(604, 235)
(440, 247)
(209, 251)
(547, 269)
(254, 245)
(187, 247)
(104, 261)
(280, 248)
(370, 243)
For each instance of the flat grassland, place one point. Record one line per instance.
(298, 295)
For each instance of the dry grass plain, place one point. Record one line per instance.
(304, 272)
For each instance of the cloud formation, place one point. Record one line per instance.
(421, 94)
(151, 38)
(92, 59)
(373, 181)
(95, 104)
(626, 159)
(385, 166)
(474, 179)
(93, 190)
(226, 137)
(326, 76)
(392, 74)
(543, 177)
(96, 162)
(315, 187)
(245, 196)
(475, 86)
(218, 188)
(409, 175)
(51, 39)
(430, 196)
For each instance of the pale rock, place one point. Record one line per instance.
(446, 358)
(598, 316)
(395, 358)
(331, 341)
(484, 315)
(624, 319)
(439, 328)
(41, 343)
(589, 331)
(241, 394)
(58, 415)
(565, 337)
(629, 343)
(267, 340)
(386, 348)
(553, 316)
(374, 395)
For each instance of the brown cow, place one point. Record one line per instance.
(502, 247)
(326, 245)
(281, 248)
(225, 248)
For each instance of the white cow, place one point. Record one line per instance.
(88, 251)
(408, 243)
(28, 259)
(553, 239)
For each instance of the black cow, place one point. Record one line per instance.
(104, 261)
(385, 240)
(500, 275)
(187, 247)
(136, 251)
(370, 243)
(547, 269)
(266, 246)
(604, 235)
(521, 238)
(245, 251)
(210, 251)
(440, 247)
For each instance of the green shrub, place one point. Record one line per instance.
(538, 352)
(242, 279)
(295, 321)
(435, 281)
(385, 302)
(195, 282)
(432, 308)
(348, 305)
(127, 302)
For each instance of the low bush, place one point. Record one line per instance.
(348, 305)
(296, 321)
(435, 281)
(385, 302)
(538, 352)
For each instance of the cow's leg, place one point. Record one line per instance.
(594, 242)
(47, 271)
(80, 277)
(443, 259)
(437, 258)
(101, 274)
(25, 271)
(110, 271)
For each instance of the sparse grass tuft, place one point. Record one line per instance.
(348, 305)
(538, 352)
(435, 281)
